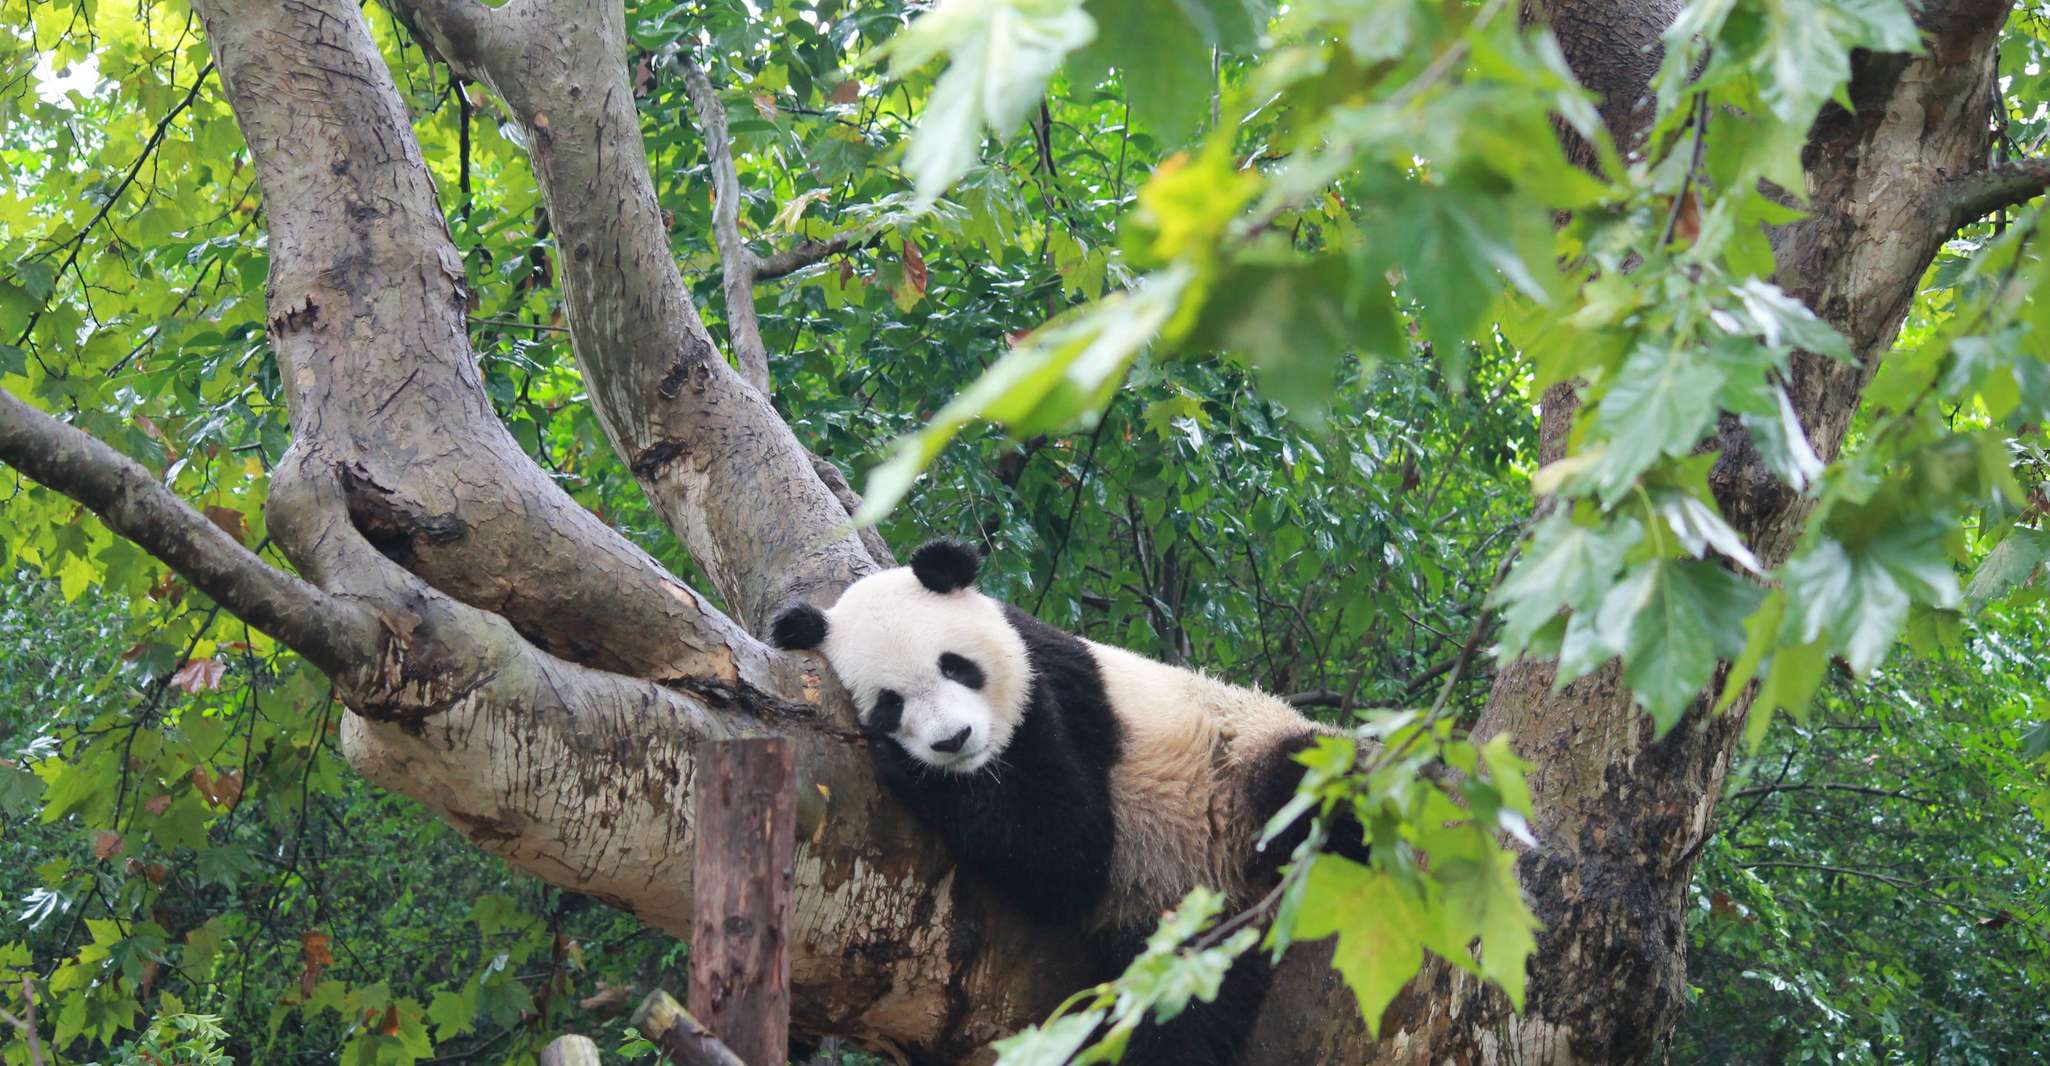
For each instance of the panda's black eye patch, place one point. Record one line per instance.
(888, 713)
(960, 671)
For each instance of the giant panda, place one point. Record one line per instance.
(1079, 781)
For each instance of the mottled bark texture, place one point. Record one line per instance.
(545, 686)
(532, 677)
(1621, 817)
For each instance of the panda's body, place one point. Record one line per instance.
(1080, 781)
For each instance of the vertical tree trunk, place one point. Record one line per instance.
(1620, 816)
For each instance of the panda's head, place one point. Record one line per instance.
(931, 663)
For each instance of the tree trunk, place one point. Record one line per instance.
(544, 686)
(1621, 817)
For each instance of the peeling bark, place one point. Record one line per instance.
(537, 681)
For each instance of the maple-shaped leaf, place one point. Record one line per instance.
(199, 675)
(1376, 955)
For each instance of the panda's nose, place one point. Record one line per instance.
(953, 744)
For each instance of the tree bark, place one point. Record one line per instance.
(739, 952)
(538, 681)
(544, 685)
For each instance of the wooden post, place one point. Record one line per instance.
(746, 845)
(570, 1051)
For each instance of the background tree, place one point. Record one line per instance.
(531, 584)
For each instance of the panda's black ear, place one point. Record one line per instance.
(946, 565)
(799, 628)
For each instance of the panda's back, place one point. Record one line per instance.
(1184, 790)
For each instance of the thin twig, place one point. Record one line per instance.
(27, 1027)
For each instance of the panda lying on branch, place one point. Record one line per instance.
(1080, 782)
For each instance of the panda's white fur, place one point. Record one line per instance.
(1080, 781)
(887, 632)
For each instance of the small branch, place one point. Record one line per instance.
(134, 504)
(27, 1027)
(850, 501)
(1322, 697)
(736, 260)
(1973, 196)
(790, 261)
(678, 1035)
(1800, 786)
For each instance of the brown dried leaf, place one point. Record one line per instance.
(199, 675)
(914, 266)
(231, 522)
(106, 845)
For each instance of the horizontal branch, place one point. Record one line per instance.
(1764, 790)
(791, 260)
(1973, 196)
(136, 505)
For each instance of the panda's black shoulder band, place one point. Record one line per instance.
(946, 565)
(799, 628)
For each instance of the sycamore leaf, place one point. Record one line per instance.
(1378, 955)
(1052, 1044)
(199, 675)
(1700, 527)
(1565, 566)
(1673, 620)
(1662, 402)
(1001, 53)
(1484, 900)
(2012, 563)
(1061, 374)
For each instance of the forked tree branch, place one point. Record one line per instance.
(330, 633)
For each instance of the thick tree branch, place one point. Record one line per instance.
(1971, 197)
(400, 471)
(330, 633)
(721, 467)
(736, 259)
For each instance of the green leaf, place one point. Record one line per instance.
(1662, 403)
(1164, 57)
(1061, 374)
(1782, 322)
(2012, 563)
(1700, 527)
(1052, 1044)
(1673, 620)
(1789, 684)
(1761, 632)
(1484, 900)
(1001, 54)
(1294, 320)
(1380, 928)
(1565, 566)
